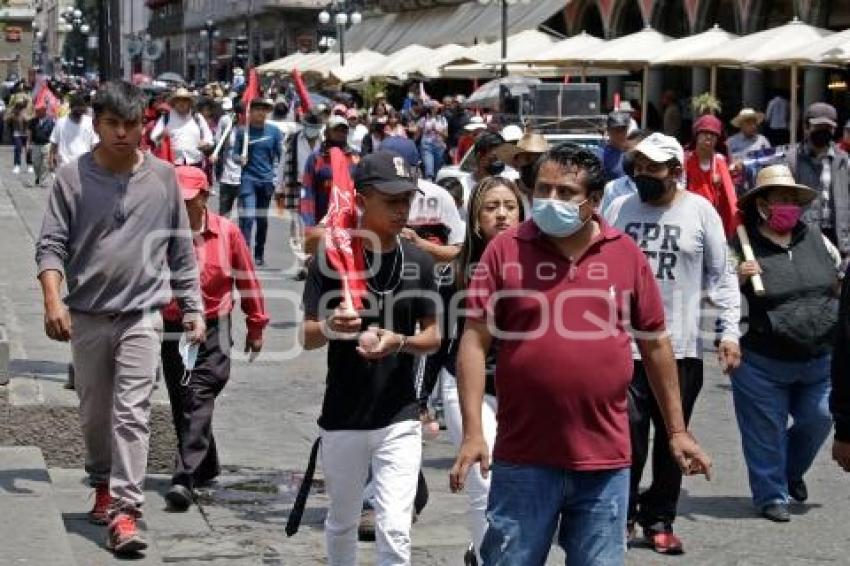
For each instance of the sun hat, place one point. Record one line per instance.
(747, 114)
(776, 176)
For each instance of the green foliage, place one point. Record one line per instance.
(705, 103)
(373, 87)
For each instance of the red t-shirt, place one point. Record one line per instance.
(561, 384)
(224, 261)
(716, 186)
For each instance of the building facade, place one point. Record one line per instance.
(16, 38)
(194, 32)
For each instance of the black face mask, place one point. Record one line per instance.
(820, 138)
(336, 143)
(496, 168)
(649, 188)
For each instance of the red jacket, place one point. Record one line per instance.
(224, 260)
(715, 185)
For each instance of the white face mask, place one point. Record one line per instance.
(188, 355)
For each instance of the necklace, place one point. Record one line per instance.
(389, 287)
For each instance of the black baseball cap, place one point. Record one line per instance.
(386, 171)
(618, 119)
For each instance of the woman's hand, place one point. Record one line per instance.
(749, 268)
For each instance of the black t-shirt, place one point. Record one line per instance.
(40, 130)
(363, 394)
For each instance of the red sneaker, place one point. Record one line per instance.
(124, 537)
(664, 541)
(99, 515)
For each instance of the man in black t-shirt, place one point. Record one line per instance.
(370, 415)
(39, 129)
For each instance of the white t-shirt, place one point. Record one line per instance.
(434, 215)
(72, 139)
(355, 137)
(187, 134)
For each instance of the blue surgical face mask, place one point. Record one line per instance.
(557, 218)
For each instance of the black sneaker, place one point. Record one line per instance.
(366, 528)
(776, 512)
(797, 490)
(179, 497)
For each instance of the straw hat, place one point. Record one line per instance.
(747, 114)
(772, 177)
(532, 142)
(181, 93)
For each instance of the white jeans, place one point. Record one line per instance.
(395, 455)
(477, 488)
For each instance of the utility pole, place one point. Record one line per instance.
(248, 33)
(109, 39)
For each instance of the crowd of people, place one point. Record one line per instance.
(560, 310)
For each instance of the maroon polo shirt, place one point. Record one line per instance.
(565, 359)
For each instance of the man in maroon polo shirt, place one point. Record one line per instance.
(563, 293)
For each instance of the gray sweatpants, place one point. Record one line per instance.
(115, 362)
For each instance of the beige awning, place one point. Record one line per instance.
(631, 51)
(570, 51)
(485, 60)
(831, 50)
(358, 66)
(470, 22)
(688, 50)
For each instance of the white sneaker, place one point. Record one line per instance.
(16, 170)
(30, 170)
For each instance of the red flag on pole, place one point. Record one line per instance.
(252, 87)
(344, 250)
(301, 89)
(252, 91)
(44, 98)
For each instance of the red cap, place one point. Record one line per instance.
(708, 123)
(191, 181)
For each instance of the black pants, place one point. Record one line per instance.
(658, 503)
(192, 405)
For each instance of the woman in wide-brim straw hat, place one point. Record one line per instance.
(748, 138)
(787, 343)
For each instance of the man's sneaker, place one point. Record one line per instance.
(469, 558)
(797, 490)
(16, 169)
(30, 170)
(179, 497)
(366, 529)
(124, 537)
(776, 512)
(99, 515)
(663, 540)
(259, 262)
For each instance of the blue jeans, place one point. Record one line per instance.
(254, 199)
(527, 502)
(766, 392)
(432, 158)
(19, 142)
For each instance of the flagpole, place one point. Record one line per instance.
(245, 137)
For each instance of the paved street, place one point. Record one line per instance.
(265, 423)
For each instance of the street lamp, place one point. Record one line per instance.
(209, 31)
(344, 13)
(504, 4)
(71, 19)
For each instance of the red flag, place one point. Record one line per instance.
(301, 89)
(252, 87)
(45, 98)
(344, 250)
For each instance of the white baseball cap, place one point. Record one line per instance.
(475, 123)
(336, 121)
(659, 148)
(512, 133)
